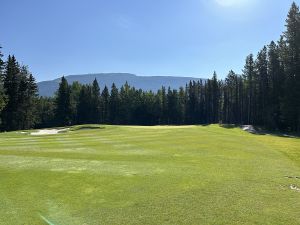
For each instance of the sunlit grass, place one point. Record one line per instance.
(149, 175)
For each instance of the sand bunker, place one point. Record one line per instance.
(22, 132)
(294, 187)
(250, 129)
(49, 131)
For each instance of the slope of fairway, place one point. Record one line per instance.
(149, 175)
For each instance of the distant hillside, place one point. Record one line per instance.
(48, 88)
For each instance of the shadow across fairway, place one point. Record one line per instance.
(229, 126)
(284, 135)
(261, 131)
(87, 127)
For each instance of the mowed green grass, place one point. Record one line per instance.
(149, 175)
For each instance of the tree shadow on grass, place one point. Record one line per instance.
(229, 126)
(87, 127)
(261, 131)
(284, 135)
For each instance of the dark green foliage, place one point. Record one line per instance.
(114, 103)
(45, 112)
(232, 100)
(21, 93)
(104, 105)
(89, 104)
(173, 107)
(75, 92)
(250, 89)
(96, 103)
(291, 60)
(3, 98)
(276, 79)
(11, 85)
(64, 110)
(181, 106)
(84, 108)
(26, 100)
(1, 62)
(261, 65)
(127, 104)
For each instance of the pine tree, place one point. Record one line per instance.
(63, 112)
(21, 93)
(96, 102)
(249, 79)
(164, 106)
(85, 108)
(3, 98)
(1, 62)
(173, 107)
(181, 105)
(276, 80)
(45, 108)
(11, 87)
(291, 104)
(75, 92)
(215, 99)
(126, 103)
(27, 91)
(232, 106)
(192, 103)
(105, 105)
(114, 104)
(261, 66)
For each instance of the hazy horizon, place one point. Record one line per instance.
(118, 73)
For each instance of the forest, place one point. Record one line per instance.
(265, 94)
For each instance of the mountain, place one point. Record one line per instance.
(48, 88)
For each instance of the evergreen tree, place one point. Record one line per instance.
(3, 97)
(181, 105)
(250, 85)
(20, 90)
(45, 112)
(105, 105)
(11, 86)
(1, 62)
(85, 110)
(164, 106)
(262, 98)
(173, 107)
(27, 99)
(215, 99)
(276, 80)
(192, 100)
(127, 99)
(75, 92)
(63, 112)
(96, 102)
(291, 104)
(114, 104)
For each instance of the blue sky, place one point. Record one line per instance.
(145, 37)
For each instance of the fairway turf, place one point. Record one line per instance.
(149, 175)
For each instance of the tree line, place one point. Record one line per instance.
(266, 94)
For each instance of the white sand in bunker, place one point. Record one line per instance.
(294, 187)
(249, 128)
(49, 131)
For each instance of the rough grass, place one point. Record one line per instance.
(149, 175)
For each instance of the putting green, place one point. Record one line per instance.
(149, 175)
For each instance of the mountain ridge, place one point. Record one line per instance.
(146, 83)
